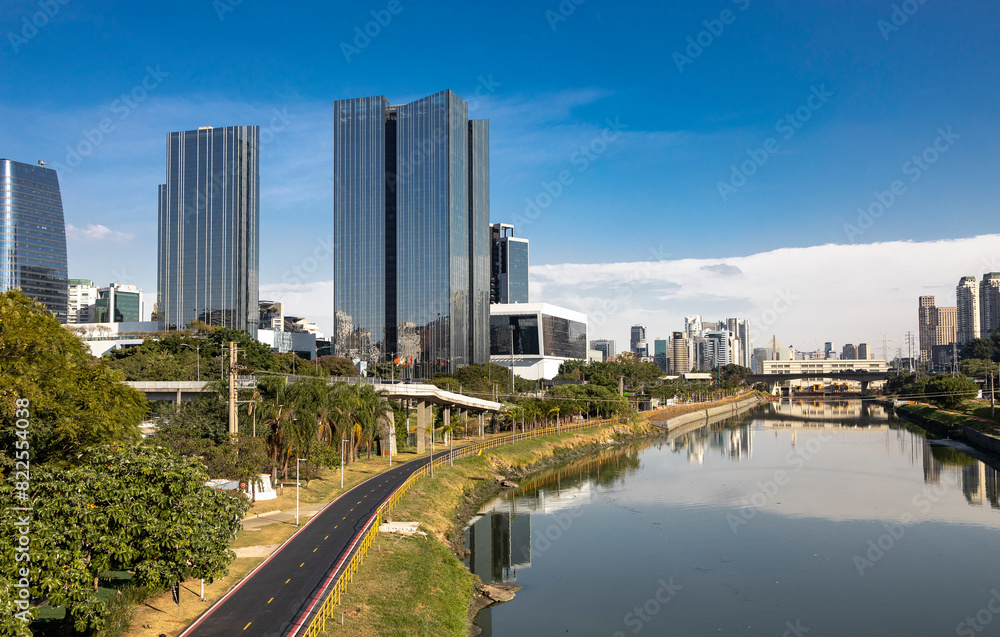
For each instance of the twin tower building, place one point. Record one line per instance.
(411, 274)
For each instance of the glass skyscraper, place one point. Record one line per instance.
(33, 235)
(208, 245)
(411, 232)
(509, 270)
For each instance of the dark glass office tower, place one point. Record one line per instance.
(411, 232)
(509, 270)
(207, 258)
(33, 235)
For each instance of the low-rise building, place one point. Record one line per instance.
(536, 338)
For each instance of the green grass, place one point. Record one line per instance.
(422, 590)
(951, 420)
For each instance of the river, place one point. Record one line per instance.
(800, 518)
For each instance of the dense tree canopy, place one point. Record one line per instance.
(133, 507)
(76, 401)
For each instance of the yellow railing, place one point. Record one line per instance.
(336, 592)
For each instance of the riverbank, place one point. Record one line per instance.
(419, 584)
(981, 433)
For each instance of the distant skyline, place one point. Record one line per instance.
(727, 133)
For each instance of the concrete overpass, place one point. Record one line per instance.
(773, 380)
(420, 395)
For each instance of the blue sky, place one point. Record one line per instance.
(866, 90)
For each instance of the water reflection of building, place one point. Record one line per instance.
(980, 484)
(932, 468)
(837, 410)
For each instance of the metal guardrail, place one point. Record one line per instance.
(335, 591)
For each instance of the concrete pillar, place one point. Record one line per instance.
(422, 426)
(446, 420)
(463, 417)
(178, 396)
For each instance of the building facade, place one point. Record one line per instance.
(82, 295)
(661, 354)
(926, 322)
(411, 232)
(208, 250)
(33, 235)
(509, 265)
(679, 356)
(637, 340)
(967, 303)
(989, 304)
(536, 338)
(118, 304)
(945, 325)
(605, 346)
(850, 351)
(864, 352)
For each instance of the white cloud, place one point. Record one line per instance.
(839, 293)
(96, 232)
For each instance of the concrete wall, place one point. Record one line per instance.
(724, 411)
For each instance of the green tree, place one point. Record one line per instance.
(950, 392)
(76, 401)
(339, 366)
(122, 507)
(982, 348)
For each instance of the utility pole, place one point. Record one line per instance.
(234, 426)
(909, 351)
(512, 360)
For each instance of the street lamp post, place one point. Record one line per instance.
(297, 490)
(197, 350)
(343, 459)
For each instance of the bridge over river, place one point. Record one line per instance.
(773, 380)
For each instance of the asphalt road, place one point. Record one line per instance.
(280, 591)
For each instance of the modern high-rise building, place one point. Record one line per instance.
(33, 235)
(509, 265)
(945, 325)
(209, 214)
(938, 326)
(679, 360)
(606, 346)
(717, 352)
(850, 351)
(82, 296)
(115, 303)
(637, 340)
(967, 302)
(989, 304)
(926, 322)
(692, 326)
(118, 304)
(742, 342)
(864, 352)
(828, 350)
(411, 232)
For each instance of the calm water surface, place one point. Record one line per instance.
(800, 519)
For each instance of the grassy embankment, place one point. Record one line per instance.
(416, 585)
(974, 414)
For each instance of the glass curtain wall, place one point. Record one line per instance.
(209, 217)
(33, 235)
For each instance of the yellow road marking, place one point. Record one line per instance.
(270, 600)
(328, 537)
(247, 626)
(315, 549)
(302, 564)
(288, 580)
